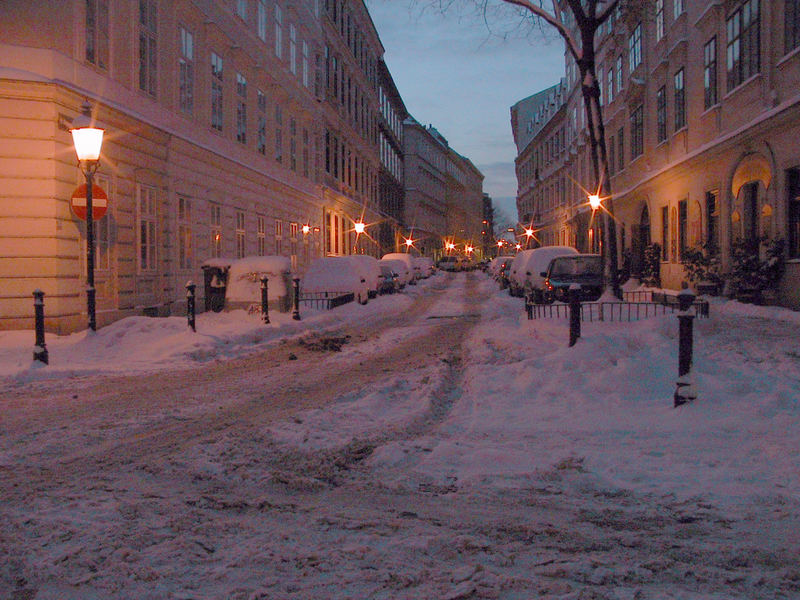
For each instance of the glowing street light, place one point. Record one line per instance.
(359, 227)
(518, 246)
(450, 246)
(306, 229)
(594, 201)
(88, 141)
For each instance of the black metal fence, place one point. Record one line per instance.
(612, 311)
(326, 300)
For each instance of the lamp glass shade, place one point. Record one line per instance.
(88, 141)
(359, 227)
(594, 201)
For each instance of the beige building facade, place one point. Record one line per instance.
(233, 128)
(701, 105)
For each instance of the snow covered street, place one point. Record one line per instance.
(448, 449)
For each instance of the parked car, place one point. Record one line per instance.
(424, 265)
(496, 264)
(563, 271)
(369, 268)
(336, 274)
(389, 283)
(400, 267)
(527, 266)
(243, 288)
(448, 263)
(405, 258)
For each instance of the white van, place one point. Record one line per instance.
(530, 277)
(407, 259)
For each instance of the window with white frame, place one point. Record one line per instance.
(240, 234)
(744, 43)
(305, 64)
(186, 72)
(261, 20)
(261, 235)
(661, 114)
(184, 228)
(97, 33)
(680, 100)
(215, 228)
(148, 55)
(278, 31)
(710, 73)
(610, 84)
(147, 227)
(635, 48)
(620, 82)
(659, 19)
(677, 8)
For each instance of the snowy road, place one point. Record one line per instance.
(419, 461)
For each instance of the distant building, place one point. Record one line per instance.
(488, 242)
(701, 104)
(391, 191)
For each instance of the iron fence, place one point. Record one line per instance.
(612, 311)
(325, 300)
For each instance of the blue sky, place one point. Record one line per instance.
(461, 73)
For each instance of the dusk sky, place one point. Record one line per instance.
(461, 73)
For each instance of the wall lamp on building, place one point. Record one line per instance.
(595, 201)
(409, 242)
(450, 246)
(88, 140)
(306, 229)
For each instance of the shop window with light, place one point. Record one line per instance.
(148, 53)
(673, 230)
(184, 228)
(293, 230)
(216, 231)
(710, 73)
(146, 227)
(96, 31)
(241, 240)
(744, 43)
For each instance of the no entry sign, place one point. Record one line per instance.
(99, 202)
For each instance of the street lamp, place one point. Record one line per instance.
(88, 141)
(594, 201)
(359, 227)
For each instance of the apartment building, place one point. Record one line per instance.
(233, 128)
(701, 104)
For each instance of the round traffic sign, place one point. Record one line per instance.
(99, 202)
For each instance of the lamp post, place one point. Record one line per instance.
(88, 141)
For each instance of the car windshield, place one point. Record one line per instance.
(589, 265)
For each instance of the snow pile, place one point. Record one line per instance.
(244, 278)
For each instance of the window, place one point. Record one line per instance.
(241, 109)
(146, 217)
(293, 144)
(216, 231)
(261, 142)
(292, 49)
(278, 32)
(680, 101)
(278, 235)
(278, 133)
(673, 229)
(683, 224)
(744, 44)
(147, 46)
(664, 233)
(659, 19)
(261, 20)
(185, 249)
(793, 212)
(240, 235)
(621, 149)
(612, 159)
(102, 233)
(677, 8)
(712, 223)
(750, 213)
(610, 84)
(186, 72)
(791, 26)
(637, 132)
(216, 91)
(97, 32)
(600, 86)
(305, 64)
(305, 153)
(261, 235)
(327, 151)
(710, 73)
(241, 9)
(635, 48)
(661, 113)
(620, 82)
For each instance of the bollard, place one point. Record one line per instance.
(265, 298)
(529, 305)
(40, 349)
(574, 313)
(190, 287)
(684, 390)
(296, 313)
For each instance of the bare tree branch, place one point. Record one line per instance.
(606, 12)
(543, 14)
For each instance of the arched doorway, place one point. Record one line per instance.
(640, 239)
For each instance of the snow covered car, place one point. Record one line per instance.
(423, 265)
(525, 277)
(389, 280)
(585, 269)
(369, 268)
(404, 275)
(335, 275)
(406, 259)
(448, 263)
(244, 283)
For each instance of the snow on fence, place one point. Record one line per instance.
(326, 300)
(613, 311)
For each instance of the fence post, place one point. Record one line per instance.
(684, 390)
(529, 305)
(574, 313)
(190, 306)
(296, 313)
(40, 349)
(265, 298)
